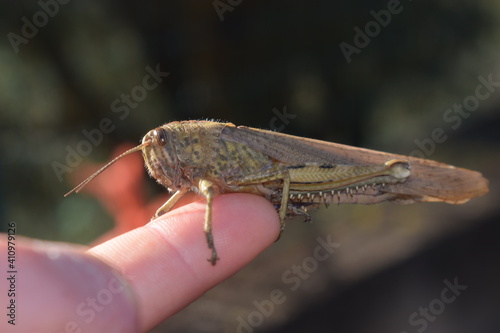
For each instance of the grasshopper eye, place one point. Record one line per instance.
(160, 137)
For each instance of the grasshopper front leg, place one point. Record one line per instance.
(207, 189)
(167, 206)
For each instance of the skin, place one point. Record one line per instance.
(138, 279)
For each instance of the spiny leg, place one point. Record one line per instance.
(206, 188)
(167, 206)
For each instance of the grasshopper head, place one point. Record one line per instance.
(160, 155)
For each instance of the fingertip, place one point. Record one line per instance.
(245, 218)
(166, 260)
(242, 226)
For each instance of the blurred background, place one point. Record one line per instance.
(377, 74)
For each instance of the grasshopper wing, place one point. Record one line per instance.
(428, 181)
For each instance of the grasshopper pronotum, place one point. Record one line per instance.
(294, 173)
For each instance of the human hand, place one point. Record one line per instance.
(134, 281)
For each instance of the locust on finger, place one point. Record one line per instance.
(294, 173)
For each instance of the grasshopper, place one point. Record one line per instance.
(294, 173)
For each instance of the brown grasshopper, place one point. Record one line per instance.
(294, 173)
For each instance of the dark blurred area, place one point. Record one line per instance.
(376, 74)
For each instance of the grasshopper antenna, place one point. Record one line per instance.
(86, 181)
